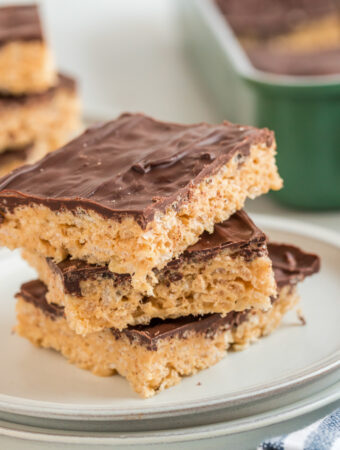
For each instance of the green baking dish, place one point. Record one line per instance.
(304, 112)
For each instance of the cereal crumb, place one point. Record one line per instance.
(300, 316)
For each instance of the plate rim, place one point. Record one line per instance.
(52, 410)
(225, 428)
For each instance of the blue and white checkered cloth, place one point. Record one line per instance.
(321, 435)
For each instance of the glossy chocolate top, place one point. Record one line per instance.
(290, 264)
(238, 233)
(20, 23)
(133, 165)
(265, 18)
(9, 101)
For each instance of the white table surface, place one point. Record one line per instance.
(127, 56)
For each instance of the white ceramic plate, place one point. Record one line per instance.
(242, 433)
(41, 383)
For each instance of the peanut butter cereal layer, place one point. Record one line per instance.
(135, 192)
(156, 356)
(26, 63)
(224, 271)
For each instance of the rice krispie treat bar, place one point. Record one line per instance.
(156, 356)
(26, 63)
(296, 26)
(134, 193)
(293, 38)
(224, 271)
(47, 118)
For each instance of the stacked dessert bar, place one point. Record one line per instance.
(39, 108)
(148, 265)
(295, 37)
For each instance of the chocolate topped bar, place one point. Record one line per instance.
(133, 165)
(266, 18)
(35, 292)
(238, 233)
(290, 265)
(20, 23)
(295, 37)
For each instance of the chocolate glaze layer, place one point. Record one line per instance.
(239, 234)
(208, 325)
(290, 263)
(134, 165)
(266, 18)
(13, 101)
(20, 23)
